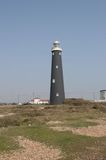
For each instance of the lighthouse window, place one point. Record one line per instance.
(53, 53)
(53, 80)
(57, 94)
(57, 66)
(59, 53)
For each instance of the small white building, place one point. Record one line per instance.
(39, 101)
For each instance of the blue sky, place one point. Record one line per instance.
(27, 31)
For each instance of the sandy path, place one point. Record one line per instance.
(32, 151)
(95, 131)
(5, 115)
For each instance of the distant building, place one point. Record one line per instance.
(103, 95)
(39, 101)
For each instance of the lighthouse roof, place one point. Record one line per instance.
(56, 46)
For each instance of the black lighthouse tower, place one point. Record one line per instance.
(57, 95)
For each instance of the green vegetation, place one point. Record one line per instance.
(31, 122)
(80, 123)
(7, 143)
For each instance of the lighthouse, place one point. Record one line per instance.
(57, 95)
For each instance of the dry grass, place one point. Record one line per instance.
(82, 136)
(95, 131)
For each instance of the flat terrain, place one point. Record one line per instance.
(65, 132)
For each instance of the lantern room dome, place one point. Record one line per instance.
(56, 46)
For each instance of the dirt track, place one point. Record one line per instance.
(32, 151)
(95, 131)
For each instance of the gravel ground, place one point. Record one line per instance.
(5, 115)
(32, 151)
(95, 131)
